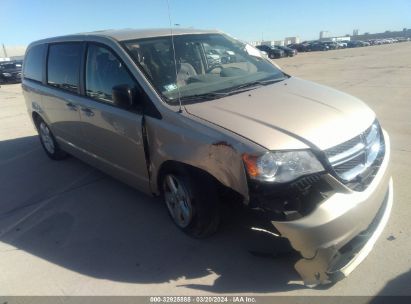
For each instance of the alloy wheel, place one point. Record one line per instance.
(178, 200)
(46, 138)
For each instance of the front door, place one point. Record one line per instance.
(113, 135)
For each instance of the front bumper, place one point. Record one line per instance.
(13, 77)
(338, 235)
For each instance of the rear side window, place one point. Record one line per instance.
(63, 65)
(33, 63)
(103, 72)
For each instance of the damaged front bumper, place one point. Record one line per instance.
(337, 236)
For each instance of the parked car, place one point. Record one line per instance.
(403, 39)
(272, 52)
(342, 44)
(377, 42)
(288, 52)
(283, 53)
(300, 47)
(152, 112)
(10, 71)
(318, 46)
(357, 43)
(354, 44)
(332, 45)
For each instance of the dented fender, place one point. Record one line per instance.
(185, 140)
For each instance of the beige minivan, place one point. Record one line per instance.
(200, 118)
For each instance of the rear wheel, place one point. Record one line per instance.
(192, 202)
(49, 142)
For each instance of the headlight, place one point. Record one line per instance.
(281, 167)
(6, 74)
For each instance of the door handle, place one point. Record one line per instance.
(71, 106)
(88, 112)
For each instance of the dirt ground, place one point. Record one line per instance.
(67, 229)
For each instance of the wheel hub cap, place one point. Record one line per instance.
(178, 201)
(46, 138)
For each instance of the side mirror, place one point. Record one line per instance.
(123, 96)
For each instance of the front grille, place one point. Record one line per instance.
(334, 151)
(357, 160)
(348, 165)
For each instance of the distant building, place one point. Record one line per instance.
(267, 42)
(341, 38)
(271, 42)
(254, 43)
(324, 34)
(286, 41)
(290, 40)
(355, 32)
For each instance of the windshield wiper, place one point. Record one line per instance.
(203, 97)
(254, 85)
(235, 90)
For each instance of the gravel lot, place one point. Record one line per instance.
(67, 229)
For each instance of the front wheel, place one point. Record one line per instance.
(192, 202)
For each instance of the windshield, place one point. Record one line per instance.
(206, 65)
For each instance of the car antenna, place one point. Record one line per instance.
(174, 57)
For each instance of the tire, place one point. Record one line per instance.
(192, 201)
(271, 56)
(48, 141)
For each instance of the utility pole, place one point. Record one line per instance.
(4, 50)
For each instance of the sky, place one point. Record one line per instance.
(23, 21)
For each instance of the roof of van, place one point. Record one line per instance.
(129, 34)
(125, 34)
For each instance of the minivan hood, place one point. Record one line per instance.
(310, 113)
